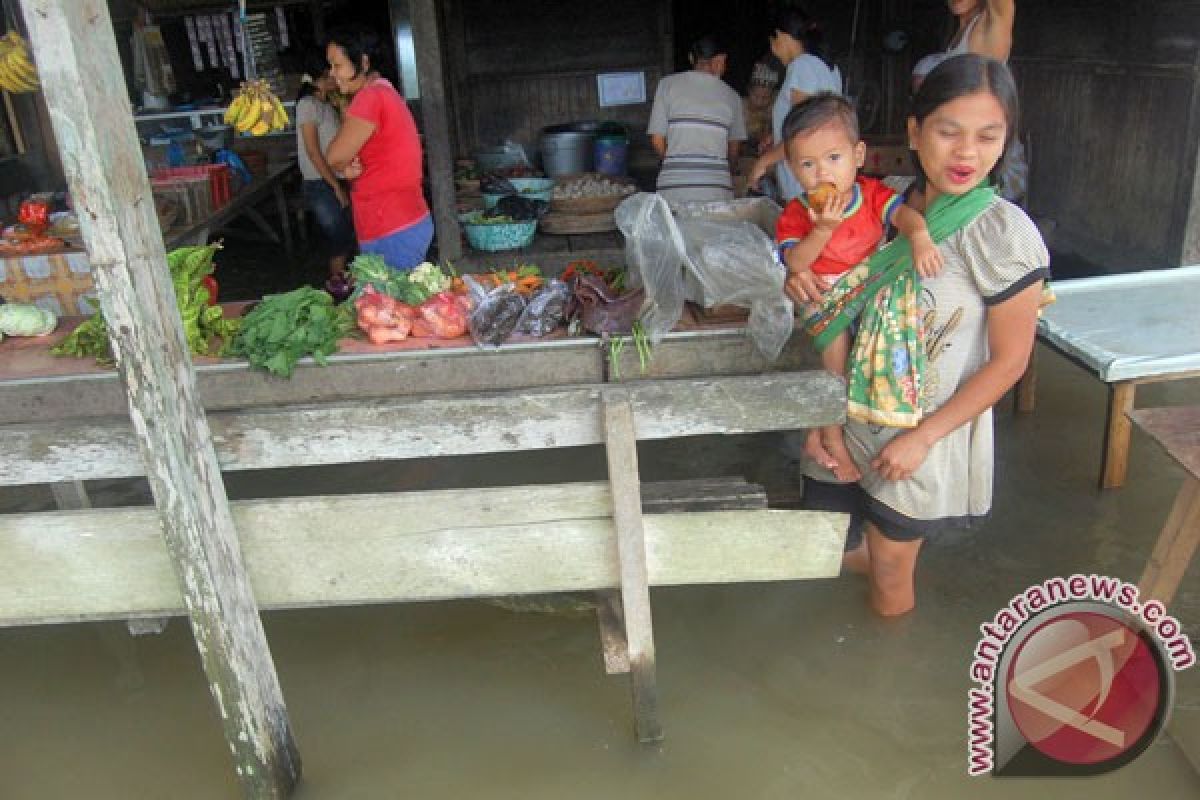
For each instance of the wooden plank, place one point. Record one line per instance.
(431, 426)
(435, 122)
(702, 494)
(84, 88)
(621, 449)
(1117, 431)
(71, 566)
(1175, 547)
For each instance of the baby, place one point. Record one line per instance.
(837, 224)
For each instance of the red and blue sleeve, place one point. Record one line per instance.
(793, 226)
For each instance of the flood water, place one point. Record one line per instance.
(779, 690)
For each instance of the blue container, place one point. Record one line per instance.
(610, 154)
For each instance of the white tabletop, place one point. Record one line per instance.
(1128, 326)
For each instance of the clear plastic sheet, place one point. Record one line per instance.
(713, 254)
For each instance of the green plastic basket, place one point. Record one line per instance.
(497, 236)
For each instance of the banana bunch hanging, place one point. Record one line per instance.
(17, 72)
(256, 110)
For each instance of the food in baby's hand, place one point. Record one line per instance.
(821, 195)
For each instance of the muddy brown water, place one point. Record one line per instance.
(779, 690)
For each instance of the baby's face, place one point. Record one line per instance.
(760, 96)
(826, 155)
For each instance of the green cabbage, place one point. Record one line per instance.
(20, 319)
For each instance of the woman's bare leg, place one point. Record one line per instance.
(858, 560)
(893, 566)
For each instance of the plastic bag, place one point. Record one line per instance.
(495, 312)
(654, 255)
(720, 253)
(546, 310)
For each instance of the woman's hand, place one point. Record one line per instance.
(353, 170)
(758, 171)
(902, 456)
(804, 286)
(342, 198)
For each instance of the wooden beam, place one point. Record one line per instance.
(450, 424)
(1175, 547)
(621, 449)
(435, 122)
(85, 92)
(71, 566)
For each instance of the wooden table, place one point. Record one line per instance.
(63, 422)
(244, 203)
(1127, 330)
(1178, 431)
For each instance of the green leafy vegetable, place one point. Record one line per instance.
(201, 322)
(284, 328)
(411, 287)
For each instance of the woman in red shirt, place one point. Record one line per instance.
(379, 151)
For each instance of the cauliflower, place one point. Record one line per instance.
(430, 278)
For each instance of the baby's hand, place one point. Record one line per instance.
(830, 216)
(926, 256)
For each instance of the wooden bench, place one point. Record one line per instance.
(1177, 430)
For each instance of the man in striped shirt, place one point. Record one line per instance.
(696, 127)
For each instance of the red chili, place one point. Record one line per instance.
(210, 283)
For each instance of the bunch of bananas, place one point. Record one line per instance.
(256, 110)
(17, 73)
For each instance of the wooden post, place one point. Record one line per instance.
(621, 446)
(86, 95)
(436, 126)
(1117, 430)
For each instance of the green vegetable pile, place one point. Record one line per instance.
(411, 287)
(201, 322)
(284, 328)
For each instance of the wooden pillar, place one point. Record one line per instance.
(85, 91)
(621, 446)
(1117, 432)
(435, 120)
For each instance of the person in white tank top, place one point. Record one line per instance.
(984, 28)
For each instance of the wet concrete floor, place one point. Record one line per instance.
(779, 690)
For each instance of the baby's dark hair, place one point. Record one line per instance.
(817, 111)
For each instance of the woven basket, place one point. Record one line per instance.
(589, 205)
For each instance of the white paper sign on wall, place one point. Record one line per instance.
(621, 88)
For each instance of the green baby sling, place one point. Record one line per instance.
(886, 369)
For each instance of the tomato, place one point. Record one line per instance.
(34, 214)
(210, 283)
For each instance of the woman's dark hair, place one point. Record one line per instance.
(804, 29)
(314, 66)
(817, 111)
(957, 77)
(358, 41)
(706, 48)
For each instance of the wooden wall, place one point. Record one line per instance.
(515, 68)
(1111, 103)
